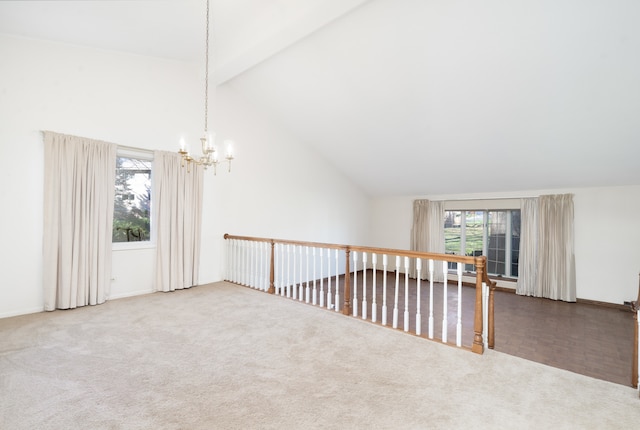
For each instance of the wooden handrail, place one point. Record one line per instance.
(479, 262)
(402, 253)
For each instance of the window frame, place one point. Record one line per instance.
(508, 263)
(147, 155)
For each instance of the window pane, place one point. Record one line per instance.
(452, 234)
(474, 235)
(497, 237)
(515, 242)
(132, 205)
(466, 233)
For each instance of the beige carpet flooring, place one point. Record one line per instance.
(222, 356)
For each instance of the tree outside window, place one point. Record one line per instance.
(132, 203)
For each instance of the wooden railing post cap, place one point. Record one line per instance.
(226, 235)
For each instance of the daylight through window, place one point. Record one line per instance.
(494, 234)
(132, 204)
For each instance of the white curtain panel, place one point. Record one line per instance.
(436, 237)
(528, 256)
(178, 203)
(78, 217)
(427, 235)
(556, 260)
(420, 233)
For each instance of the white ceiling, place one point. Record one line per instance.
(407, 97)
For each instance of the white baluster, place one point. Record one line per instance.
(294, 284)
(300, 285)
(255, 250)
(406, 294)
(384, 289)
(242, 268)
(254, 264)
(459, 323)
(261, 268)
(282, 284)
(229, 273)
(445, 310)
(247, 256)
(321, 279)
(485, 315)
(289, 270)
(257, 256)
(337, 300)
(244, 265)
(267, 266)
(374, 290)
(364, 286)
(395, 302)
(418, 297)
(355, 284)
(329, 298)
(307, 291)
(430, 299)
(265, 271)
(260, 273)
(315, 291)
(238, 262)
(276, 264)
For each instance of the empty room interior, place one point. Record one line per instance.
(504, 130)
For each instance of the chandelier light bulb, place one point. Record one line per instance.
(229, 149)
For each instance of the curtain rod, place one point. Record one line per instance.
(133, 148)
(487, 198)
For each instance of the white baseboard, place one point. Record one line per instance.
(130, 294)
(41, 308)
(22, 312)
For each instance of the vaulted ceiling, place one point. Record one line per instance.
(406, 96)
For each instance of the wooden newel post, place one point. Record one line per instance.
(347, 286)
(272, 270)
(478, 345)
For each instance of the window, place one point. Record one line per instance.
(495, 234)
(132, 203)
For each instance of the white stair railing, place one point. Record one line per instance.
(300, 270)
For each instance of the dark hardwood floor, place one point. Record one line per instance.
(589, 339)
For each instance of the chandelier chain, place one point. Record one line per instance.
(209, 157)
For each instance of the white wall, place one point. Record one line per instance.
(125, 99)
(277, 188)
(606, 235)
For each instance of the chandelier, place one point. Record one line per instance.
(210, 156)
